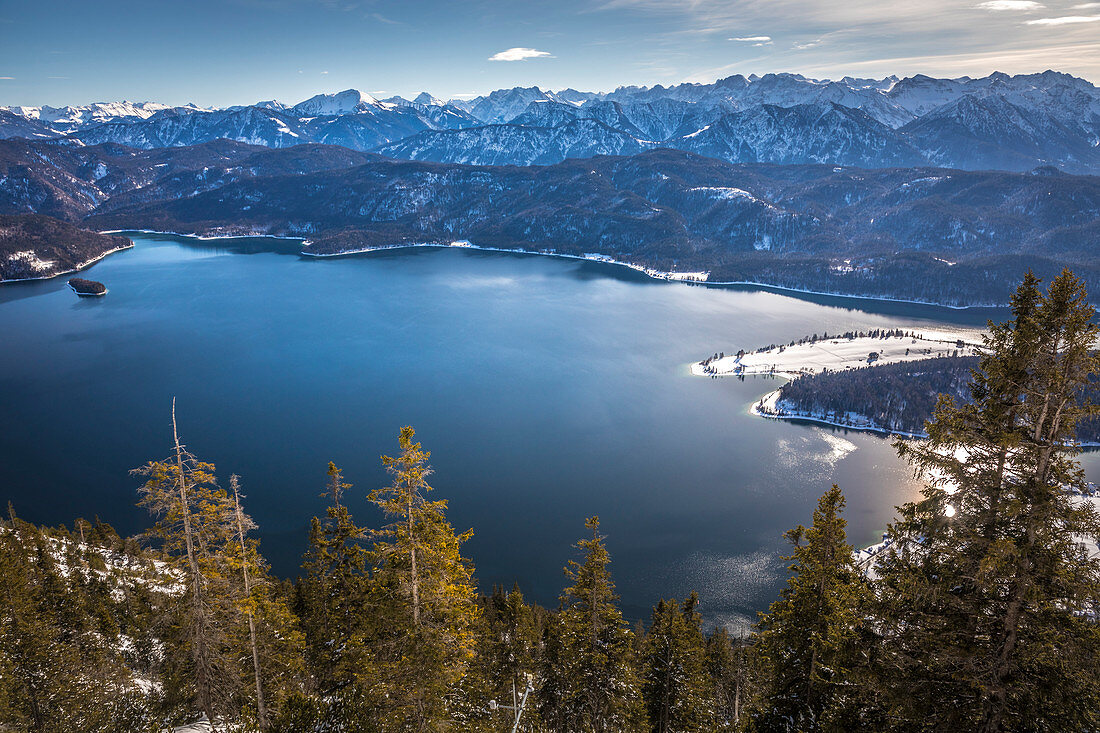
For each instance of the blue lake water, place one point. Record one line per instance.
(547, 390)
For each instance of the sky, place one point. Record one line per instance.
(224, 52)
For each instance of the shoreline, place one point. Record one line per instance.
(207, 238)
(773, 396)
(840, 353)
(88, 295)
(782, 289)
(755, 409)
(692, 278)
(78, 268)
(825, 293)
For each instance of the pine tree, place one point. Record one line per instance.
(806, 642)
(988, 597)
(425, 596)
(590, 677)
(677, 690)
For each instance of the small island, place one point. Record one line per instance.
(87, 288)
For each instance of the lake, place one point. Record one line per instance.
(547, 390)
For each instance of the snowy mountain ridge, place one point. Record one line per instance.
(996, 122)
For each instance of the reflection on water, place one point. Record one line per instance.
(548, 390)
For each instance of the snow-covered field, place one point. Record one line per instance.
(838, 354)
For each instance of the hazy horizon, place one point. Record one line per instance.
(410, 95)
(217, 54)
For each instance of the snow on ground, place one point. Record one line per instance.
(839, 354)
(724, 192)
(32, 260)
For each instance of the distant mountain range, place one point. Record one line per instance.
(998, 122)
(920, 233)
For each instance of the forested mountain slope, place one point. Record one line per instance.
(948, 236)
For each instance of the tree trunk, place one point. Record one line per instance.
(412, 558)
(198, 649)
(261, 710)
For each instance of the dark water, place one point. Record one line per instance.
(547, 390)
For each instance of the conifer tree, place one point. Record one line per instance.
(677, 689)
(509, 639)
(988, 598)
(590, 676)
(424, 593)
(806, 642)
(333, 593)
(728, 668)
(194, 528)
(273, 647)
(60, 668)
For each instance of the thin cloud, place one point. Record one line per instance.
(6, 78)
(1011, 5)
(807, 44)
(323, 73)
(1085, 6)
(755, 40)
(1065, 20)
(1023, 60)
(519, 54)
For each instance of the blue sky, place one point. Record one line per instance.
(240, 51)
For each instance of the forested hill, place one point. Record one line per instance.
(928, 234)
(897, 398)
(34, 246)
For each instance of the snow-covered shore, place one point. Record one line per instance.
(465, 244)
(838, 354)
(207, 237)
(850, 296)
(772, 407)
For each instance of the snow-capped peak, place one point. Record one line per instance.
(341, 103)
(428, 100)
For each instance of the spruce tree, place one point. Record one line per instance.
(590, 680)
(425, 596)
(60, 664)
(509, 640)
(333, 593)
(988, 597)
(677, 689)
(806, 642)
